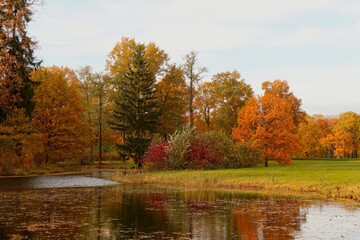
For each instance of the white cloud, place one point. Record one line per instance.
(325, 90)
(69, 33)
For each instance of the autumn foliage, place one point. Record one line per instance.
(188, 149)
(268, 123)
(156, 156)
(58, 114)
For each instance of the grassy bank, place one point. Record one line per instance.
(328, 179)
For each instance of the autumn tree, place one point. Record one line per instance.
(205, 104)
(120, 57)
(345, 135)
(266, 123)
(136, 110)
(171, 93)
(20, 143)
(86, 79)
(281, 89)
(193, 73)
(59, 114)
(17, 59)
(94, 89)
(313, 133)
(230, 93)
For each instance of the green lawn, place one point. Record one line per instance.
(331, 179)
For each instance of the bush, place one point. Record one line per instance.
(200, 155)
(189, 150)
(208, 150)
(156, 157)
(220, 143)
(244, 155)
(178, 146)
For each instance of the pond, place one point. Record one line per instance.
(87, 207)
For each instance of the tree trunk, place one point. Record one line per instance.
(100, 128)
(266, 162)
(191, 110)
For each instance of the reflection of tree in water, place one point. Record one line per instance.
(130, 212)
(141, 214)
(200, 215)
(272, 219)
(209, 214)
(155, 214)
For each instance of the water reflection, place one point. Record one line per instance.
(140, 212)
(273, 219)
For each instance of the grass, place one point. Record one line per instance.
(328, 179)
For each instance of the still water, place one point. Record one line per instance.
(85, 207)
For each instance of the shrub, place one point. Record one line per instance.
(220, 143)
(156, 157)
(201, 155)
(244, 155)
(209, 150)
(178, 146)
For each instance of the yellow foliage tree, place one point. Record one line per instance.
(58, 114)
(345, 135)
(172, 93)
(120, 57)
(311, 132)
(20, 144)
(205, 105)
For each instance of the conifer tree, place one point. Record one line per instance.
(16, 57)
(136, 110)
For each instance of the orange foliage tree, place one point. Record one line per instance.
(345, 135)
(281, 89)
(267, 123)
(58, 114)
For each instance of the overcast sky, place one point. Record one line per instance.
(313, 44)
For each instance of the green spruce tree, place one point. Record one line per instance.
(136, 110)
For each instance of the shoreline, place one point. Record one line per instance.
(255, 190)
(349, 194)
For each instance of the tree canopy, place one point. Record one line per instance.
(59, 114)
(266, 122)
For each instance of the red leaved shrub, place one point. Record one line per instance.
(156, 157)
(201, 155)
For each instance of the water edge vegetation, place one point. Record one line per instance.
(335, 179)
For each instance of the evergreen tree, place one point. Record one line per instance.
(136, 110)
(16, 57)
